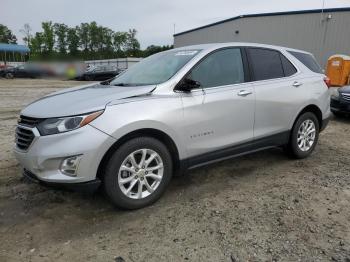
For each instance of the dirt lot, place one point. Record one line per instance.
(261, 207)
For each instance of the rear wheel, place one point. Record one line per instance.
(304, 136)
(138, 173)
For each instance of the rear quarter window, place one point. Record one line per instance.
(308, 60)
(265, 63)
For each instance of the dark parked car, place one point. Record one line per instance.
(99, 73)
(21, 71)
(340, 101)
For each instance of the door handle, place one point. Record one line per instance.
(244, 93)
(297, 84)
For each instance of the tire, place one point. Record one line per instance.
(9, 76)
(300, 151)
(116, 191)
(89, 78)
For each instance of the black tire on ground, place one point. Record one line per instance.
(88, 78)
(110, 179)
(292, 148)
(9, 76)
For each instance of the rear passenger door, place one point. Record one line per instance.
(275, 83)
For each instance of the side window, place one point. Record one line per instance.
(265, 63)
(224, 67)
(288, 67)
(308, 60)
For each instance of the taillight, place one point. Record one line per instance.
(327, 81)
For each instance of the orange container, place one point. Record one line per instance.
(338, 70)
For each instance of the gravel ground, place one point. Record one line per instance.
(261, 207)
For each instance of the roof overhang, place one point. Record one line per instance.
(14, 48)
(344, 9)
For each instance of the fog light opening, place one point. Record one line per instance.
(69, 166)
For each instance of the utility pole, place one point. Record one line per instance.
(174, 28)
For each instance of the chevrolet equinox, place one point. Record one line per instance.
(173, 111)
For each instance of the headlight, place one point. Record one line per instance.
(52, 126)
(335, 95)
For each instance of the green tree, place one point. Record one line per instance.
(106, 46)
(48, 38)
(6, 35)
(83, 33)
(94, 36)
(36, 45)
(132, 44)
(119, 42)
(86, 41)
(61, 36)
(73, 41)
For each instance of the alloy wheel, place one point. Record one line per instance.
(140, 173)
(306, 135)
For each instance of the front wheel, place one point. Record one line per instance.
(88, 78)
(304, 136)
(138, 173)
(9, 76)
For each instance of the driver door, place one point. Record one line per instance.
(220, 114)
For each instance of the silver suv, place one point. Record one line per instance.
(173, 111)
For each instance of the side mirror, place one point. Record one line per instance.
(188, 84)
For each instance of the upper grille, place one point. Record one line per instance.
(346, 96)
(29, 121)
(24, 138)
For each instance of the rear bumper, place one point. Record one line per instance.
(85, 187)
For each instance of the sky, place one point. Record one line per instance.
(153, 19)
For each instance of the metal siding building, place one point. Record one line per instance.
(321, 33)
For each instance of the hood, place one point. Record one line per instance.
(345, 89)
(81, 100)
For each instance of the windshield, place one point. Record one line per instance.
(155, 69)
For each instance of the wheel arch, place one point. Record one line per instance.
(150, 132)
(313, 109)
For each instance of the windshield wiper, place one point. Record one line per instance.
(121, 84)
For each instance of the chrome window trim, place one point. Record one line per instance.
(281, 52)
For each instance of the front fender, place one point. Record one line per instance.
(165, 115)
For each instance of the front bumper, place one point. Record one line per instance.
(46, 153)
(339, 105)
(84, 187)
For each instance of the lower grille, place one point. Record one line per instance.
(24, 138)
